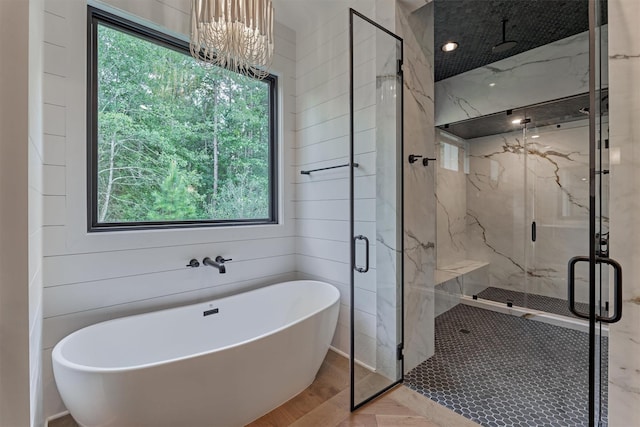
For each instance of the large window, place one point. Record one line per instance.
(172, 142)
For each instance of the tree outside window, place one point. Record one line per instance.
(176, 141)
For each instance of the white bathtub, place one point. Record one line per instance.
(178, 367)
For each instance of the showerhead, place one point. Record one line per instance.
(505, 44)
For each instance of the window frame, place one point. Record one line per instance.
(96, 17)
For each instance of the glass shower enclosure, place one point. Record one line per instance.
(532, 226)
(376, 209)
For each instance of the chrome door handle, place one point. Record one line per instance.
(617, 289)
(366, 265)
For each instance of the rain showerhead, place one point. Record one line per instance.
(505, 44)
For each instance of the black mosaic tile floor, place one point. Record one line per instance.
(536, 302)
(502, 370)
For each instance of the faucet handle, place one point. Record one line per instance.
(220, 259)
(193, 263)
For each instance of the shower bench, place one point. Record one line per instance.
(450, 282)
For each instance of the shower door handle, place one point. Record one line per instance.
(366, 255)
(617, 288)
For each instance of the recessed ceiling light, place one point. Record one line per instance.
(449, 46)
(516, 121)
(492, 84)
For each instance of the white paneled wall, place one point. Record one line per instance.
(322, 136)
(93, 277)
(322, 200)
(322, 139)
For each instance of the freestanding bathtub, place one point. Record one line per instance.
(222, 363)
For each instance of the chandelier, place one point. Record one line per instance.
(233, 34)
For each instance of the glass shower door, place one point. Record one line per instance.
(556, 204)
(605, 305)
(567, 209)
(376, 209)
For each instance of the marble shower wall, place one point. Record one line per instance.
(499, 209)
(553, 71)
(503, 200)
(388, 209)
(451, 196)
(624, 93)
(416, 28)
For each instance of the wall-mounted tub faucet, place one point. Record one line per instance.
(217, 263)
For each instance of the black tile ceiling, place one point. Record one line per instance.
(553, 112)
(477, 26)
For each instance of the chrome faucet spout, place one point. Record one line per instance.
(217, 263)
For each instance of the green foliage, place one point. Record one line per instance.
(177, 140)
(175, 199)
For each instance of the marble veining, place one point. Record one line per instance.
(509, 184)
(553, 71)
(485, 240)
(455, 243)
(533, 149)
(624, 94)
(416, 29)
(614, 57)
(451, 199)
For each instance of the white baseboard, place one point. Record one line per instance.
(346, 355)
(55, 417)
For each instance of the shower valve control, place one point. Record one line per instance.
(425, 160)
(414, 158)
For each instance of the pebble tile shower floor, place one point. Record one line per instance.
(502, 370)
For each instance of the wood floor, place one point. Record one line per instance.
(325, 403)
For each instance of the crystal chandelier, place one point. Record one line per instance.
(233, 34)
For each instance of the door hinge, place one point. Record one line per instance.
(400, 352)
(534, 231)
(399, 67)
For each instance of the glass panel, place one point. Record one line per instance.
(377, 210)
(604, 298)
(527, 196)
(556, 208)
